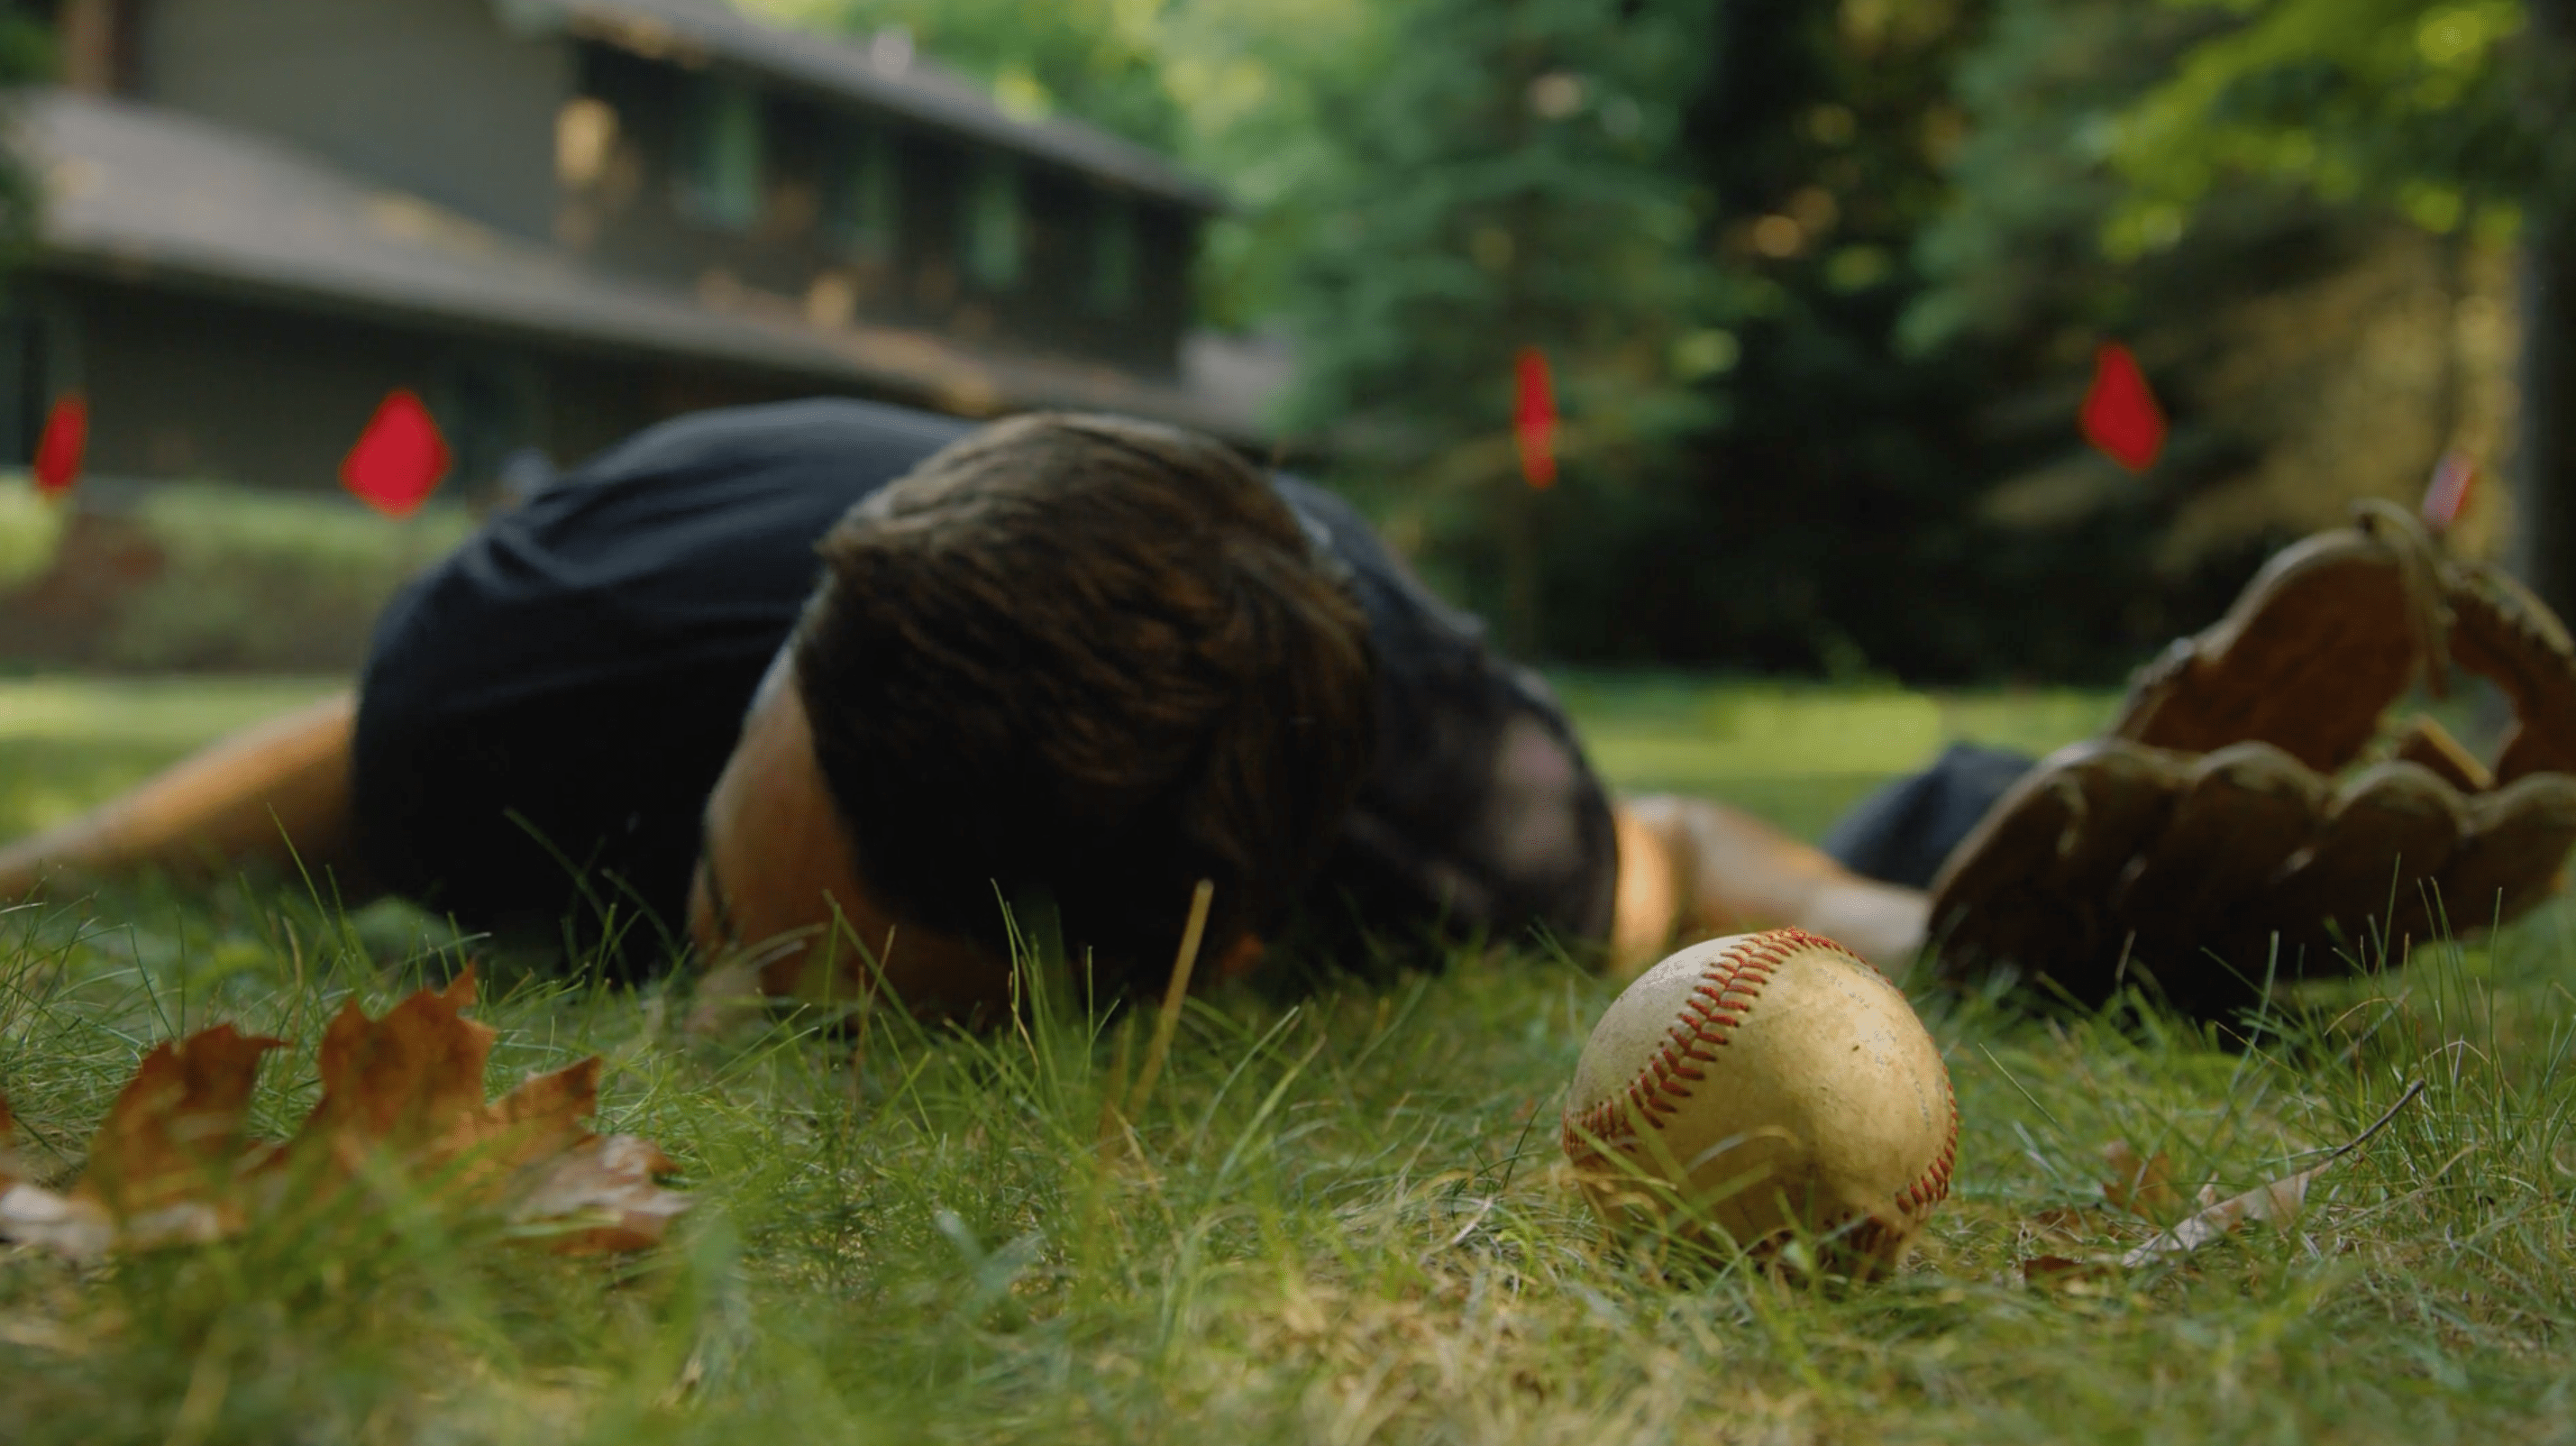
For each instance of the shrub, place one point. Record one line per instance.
(205, 576)
(31, 529)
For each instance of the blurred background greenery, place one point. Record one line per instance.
(1797, 754)
(1822, 283)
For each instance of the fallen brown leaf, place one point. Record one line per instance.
(608, 1180)
(177, 1136)
(2275, 1203)
(403, 1094)
(2141, 1187)
(11, 1172)
(2054, 1270)
(409, 1087)
(166, 1164)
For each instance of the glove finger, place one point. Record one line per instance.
(2323, 639)
(2425, 741)
(2024, 886)
(2499, 629)
(2518, 837)
(2387, 830)
(2244, 810)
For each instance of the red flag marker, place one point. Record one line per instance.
(2455, 481)
(2120, 415)
(1534, 418)
(399, 459)
(60, 448)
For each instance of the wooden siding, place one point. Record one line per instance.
(428, 96)
(634, 218)
(186, 385)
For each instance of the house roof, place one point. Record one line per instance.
(887, 77)
(139, 193)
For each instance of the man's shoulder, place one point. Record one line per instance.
(1416, 634)
(824, 429)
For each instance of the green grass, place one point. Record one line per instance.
(1349, 1222)
(1800, 755)
(65, 743)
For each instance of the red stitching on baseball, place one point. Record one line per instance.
(1659, 1087)
(1741, 972)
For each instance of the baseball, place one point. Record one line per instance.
(1766, 1084)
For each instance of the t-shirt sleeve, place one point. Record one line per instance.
(543, 712)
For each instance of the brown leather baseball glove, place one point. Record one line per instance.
(2250, 815)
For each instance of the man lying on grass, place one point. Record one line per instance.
(1077, 658)
(1091, 662)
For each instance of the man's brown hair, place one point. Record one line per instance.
(1093, 659)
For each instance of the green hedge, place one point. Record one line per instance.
(232, 578)
(31, 531)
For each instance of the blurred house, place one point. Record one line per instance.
(560, 220)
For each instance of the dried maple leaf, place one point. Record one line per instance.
(165, 1165)
(2275, 1203)
(609, 1179)
(2141, 1187)
(409, 1086)
(178, 1134)
(173, 1162)
(2062, 1270)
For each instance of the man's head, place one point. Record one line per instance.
(1073, 657)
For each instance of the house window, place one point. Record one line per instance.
(585, 138)
(720, 152)
(1112, 287)
(865, 197)
(488, 406)
(26, 383)
(993, 239)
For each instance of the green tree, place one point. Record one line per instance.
(1814, 522)
(2023, 281)
(2309, 344)
(2454, 113)
(26, 54)
(1096, 59)
(1502, 178)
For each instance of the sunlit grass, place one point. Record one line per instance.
(1341, 1219)
(1800, 755)
(66, 742)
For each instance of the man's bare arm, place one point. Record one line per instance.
(275, 789)
(1693, 869)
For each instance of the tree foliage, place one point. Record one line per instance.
(2455, 114)
(2427, 105)
(1805, 527)
(1097, 59)
(26, 55)
(1820, 285)
(1504, 177)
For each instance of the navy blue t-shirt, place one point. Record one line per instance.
(543, 712)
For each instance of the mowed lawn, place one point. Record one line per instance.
(1344, 1217)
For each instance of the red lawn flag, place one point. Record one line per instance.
(1534, 418)
(2120, 414)
(400, 458)
(65, 439)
